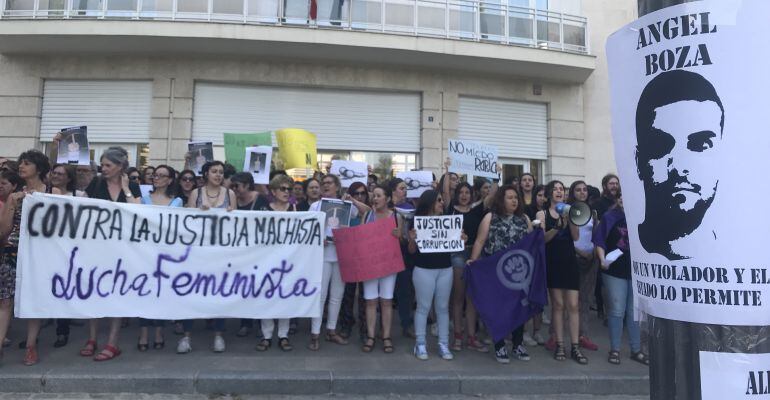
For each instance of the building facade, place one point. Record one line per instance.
(382, 81)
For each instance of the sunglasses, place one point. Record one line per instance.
(284, 188)
(133, 178)
(188, 179)
(359, 194)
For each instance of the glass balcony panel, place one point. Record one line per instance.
(574, 35)
(192, 6)
(87, 5)
(492, 21)
(157, 5)
(520, 26)
(399, 15)
(122, 5)
(20, 5)
(296, 11)
(431, 17)
(264, 10)
(366, 14)
(462, 19)
(229, 7)
(548, 30)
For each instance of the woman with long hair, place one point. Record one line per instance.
(481, 189)
(562, 273)
(584, 250)
(612, 234)
(472, 215)
(113, 185)
(165, 194)
(505, 225)
(280, 188)
(186, 185)
(538, 204)
(33, 169)
(147, 173)
(213, 194)
(10, 182)
(527, 184)
(432, 278)
(312, 188)
(63, 180)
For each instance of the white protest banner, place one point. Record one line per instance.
(73, 147)
(257, 161)
(690, 98)
(349, 171)
(417, 182)
(87, 258)
(734, 376)
(469, 157)
(439, 234)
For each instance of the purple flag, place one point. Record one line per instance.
(508, 287)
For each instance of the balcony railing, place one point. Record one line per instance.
(484, 21)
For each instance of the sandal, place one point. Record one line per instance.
(264, 344)
(614, 357)
(640, 358)
(457, 343)
(89, 349)
(159, 345)
(315, 343)
(284, 344)
(387, 345)
(559, 354)
(142, 346)
(332, 336)
(31, 358)
(368, 345)
(108, 353)
(577, 355)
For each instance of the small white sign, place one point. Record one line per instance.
(417, 182)
(439, 234)
(469, 157)
(734, 376)
(73, 147)
(257, 161)
(349, 172)
(198, 154)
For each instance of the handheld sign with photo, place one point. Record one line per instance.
(469, 157)
(73, 147)
(368, 251)
(236, 144)
(257, 161)
(417, 182)
(349, 171)
(439, 234)
(337, 214)
(198, 153)
(297, 148)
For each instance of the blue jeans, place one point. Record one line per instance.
(432, 287)
(620, 303)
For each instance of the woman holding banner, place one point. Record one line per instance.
(33, 168)
(280, 187)
(213, 194)
(113, 185)
(562, 273)
(505, 225)
(432, 278)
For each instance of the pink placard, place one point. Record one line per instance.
(368, 251)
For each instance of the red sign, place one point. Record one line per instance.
(368, 251)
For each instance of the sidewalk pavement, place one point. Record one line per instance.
(334, 369)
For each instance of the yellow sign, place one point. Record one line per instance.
(297, 148)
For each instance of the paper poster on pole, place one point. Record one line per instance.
(689, 93)
(198, 153)
(368, 251)
(439, 234)
(475, 158)
(417, 182)
(297, 148)
(349, 171)
(236, 144)
(73, 147)
(257, 162)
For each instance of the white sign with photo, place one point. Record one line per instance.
(349, 172)
(198, 154)
(689, 93)
(73, 146)
(439, 234)
(417, 182)
(338, 214)
(257, 161)
(474, 158)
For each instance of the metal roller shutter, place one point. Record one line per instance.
(341, 119)
(114, 111)
(519, 130)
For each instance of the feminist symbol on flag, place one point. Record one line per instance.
(514, 270)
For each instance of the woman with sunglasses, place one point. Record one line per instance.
(280, 188)
(186, 185)
(134, 175)
(211, 195)
(164, 193)
(332, 283)
(312, 188)
(358, 192)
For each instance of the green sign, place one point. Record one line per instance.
(236, 144)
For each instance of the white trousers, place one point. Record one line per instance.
(268, 326)
(332, 285)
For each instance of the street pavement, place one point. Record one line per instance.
(339, 370)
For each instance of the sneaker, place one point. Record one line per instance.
(550, 345)
(521, 353)
(243, 332)
(219, 344)
(587, 344)
(444, 352)
(421, 351)
(502, 355)
(539, 338)
(434, 329)
(547, 316)
(528, 340)
(183, 345)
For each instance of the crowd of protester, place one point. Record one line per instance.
(429, 295)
